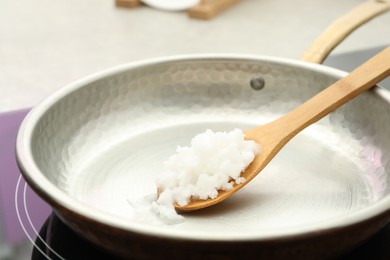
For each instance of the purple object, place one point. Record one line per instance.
(16, 198)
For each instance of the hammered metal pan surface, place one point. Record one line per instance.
(93, 147)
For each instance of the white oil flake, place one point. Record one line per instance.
(214, 161)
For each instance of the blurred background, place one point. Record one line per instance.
(46, 44)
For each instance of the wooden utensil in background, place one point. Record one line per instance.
(127, 3)
(206, 10)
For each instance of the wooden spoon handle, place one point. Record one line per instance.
(341, 28)
(361, 79)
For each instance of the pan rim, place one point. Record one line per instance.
(36, 179)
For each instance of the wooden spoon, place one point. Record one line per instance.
(273, 136)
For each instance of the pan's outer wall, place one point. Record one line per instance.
(323, 244)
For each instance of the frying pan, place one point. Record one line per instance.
(93, 149)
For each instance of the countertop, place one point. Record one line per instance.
(47, 44)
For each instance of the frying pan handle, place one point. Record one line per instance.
(341, 28)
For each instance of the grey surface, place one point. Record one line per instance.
(46, 44)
